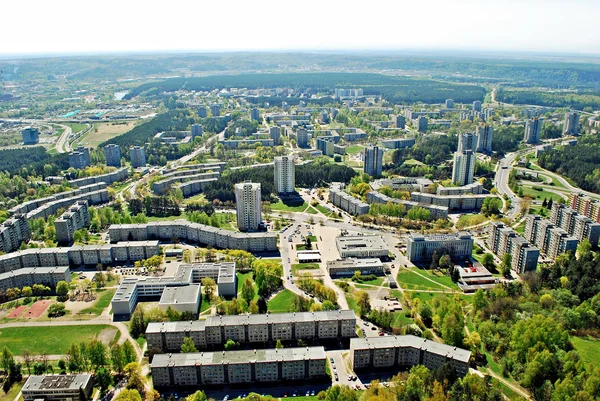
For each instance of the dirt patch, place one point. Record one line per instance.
(105, 131)
(38, 309)
(107, 335)
(17, 312)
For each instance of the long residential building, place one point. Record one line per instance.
(108, 178)
(345, 201)
(452, 202)
(252, 328)
(194, 232)
(399, 143)
(76, 218)
(131, 290)
(13, 232)
(194, 187)
(406, 351)
(28, 206)
(420, 248)
(237, 367)
(437, 212)
(583, 204)
(550, 239)
(475, 188)
(202, 167)
(49, 276)
(504, 240)
(577, 225)
(163, 186)
(79, 255)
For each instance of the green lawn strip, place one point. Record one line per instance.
(281, 302)
(282, 207)
(311, 210)
(401, 320)
(352, 303)
(312, 238)
(241, 278)
(588, 349)
(76, 127)
(141, 341)
(48, 339)
(423, 296)
(468, 220)
(205, 305)
(534, 194)
(413, 162)
(303, 266)
(101, 303)
(410, 280)
(354, 149)
(13, 391)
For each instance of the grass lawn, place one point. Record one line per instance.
(468, 220)
(423, 296)
(303, 266)
(281, 302)
(205, 305)
(12, 392)
(76, 127)
(354, 149)
(168, 218)
(102, 302)
(323, 210)
(520, 229)
(313, 238)
(311, 210)
(411, 162)
(410, 280)
(540, 194)
(378, 281)
(282, 207)
(352, 303)
(401, 320)
(241, 278)
(589, 350)
(105, 131)
(49, 339)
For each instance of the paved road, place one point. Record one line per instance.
(501, 182)
(62, 144)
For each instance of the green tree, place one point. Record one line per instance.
(488, 261)
(117, 358)
(103, 379)
(209, 286)
(248, 291)
(188, 345)
(505, 267)
(129, 395)
(230, 345)
(364, 302)
(62, 288)
(278, 344)
(197, 396)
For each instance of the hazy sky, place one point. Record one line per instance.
(60, 26)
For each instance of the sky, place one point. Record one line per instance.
(107, 26)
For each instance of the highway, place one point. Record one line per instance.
(501, 182)
(62, 144)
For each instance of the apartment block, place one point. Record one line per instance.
(585, 206)
(30, 135)
(112, 153)
(236, 367)
(475, 188)
(79, 158)
(550, 239)
(285, 174)
(345, 201)
(248, 205)
(533, 130)
(373, 161)
(252, 329)
(571, 125)
(137, 155)
(163, 186)
(389, 352)
(420, 248)
(49, 276)
(504, 240)
(577, 225)
(484, 134)
(75, 218)
(13, 232)
(399, 143)
(452, 202)
(119, 175)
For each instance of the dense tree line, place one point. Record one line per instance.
(574, 100)
(580, 162)
(245, 126)
(159, 206)
(507, 138)
(431, 150)
(30, 161)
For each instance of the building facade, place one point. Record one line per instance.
(79, 158)
(550, 239)
(463, 168)
(30, 135)
(112, 153)
(345, 201)
(504, 240)
(420, 248)
(484, 134)
(361, 246)
(533, 130)
(285, 174)
(58, 387)
(577, 225)
(76, 218)
(571, 125)
(137, 154)
(373, 161)
(248, 206)
(406, 351)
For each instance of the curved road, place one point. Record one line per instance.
(62, 144)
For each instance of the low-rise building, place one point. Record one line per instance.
(181, 299)
(58, 387)
(399, 143)
(347, 267)
(406, 351)
(362, 246)
(420, 248)
(345, 201)
(236, 367)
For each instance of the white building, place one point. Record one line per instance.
(463, 168)
(248, 205)
(533, 130)
(285, 174)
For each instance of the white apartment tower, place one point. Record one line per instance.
(285, 174)
(248, 205)
(464, 159)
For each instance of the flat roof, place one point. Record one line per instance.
(238, 357)
(48, 382)
(350, 242)
(448, 351)
(180, 295)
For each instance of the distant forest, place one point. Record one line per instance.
(30, 161)
(580, 163)
(396, 89)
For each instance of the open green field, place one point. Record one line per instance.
(410, 162)
(311, 210)
(354, 149)
(282, 207)
(303, 266)
(589, 350)
(281, 302)
(103, 132)
(410, 280)
(323, 210)
(378, 281)
(534, 194)
(76, 127)
(51, 340)
(401, 320)
(352, 303)
(241, 278)
(468, 220)
(101, 303)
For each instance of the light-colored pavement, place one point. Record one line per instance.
(62, 144)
